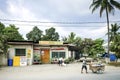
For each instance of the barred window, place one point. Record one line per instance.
(58, 54)
(20, 52)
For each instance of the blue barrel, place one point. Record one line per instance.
(10, 62)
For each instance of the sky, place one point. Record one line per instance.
(56, 11)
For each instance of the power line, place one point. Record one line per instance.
(52, 25)
(57, 22)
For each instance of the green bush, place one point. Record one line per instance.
(69, 60)
(37, 58)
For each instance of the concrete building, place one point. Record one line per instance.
(45, 51)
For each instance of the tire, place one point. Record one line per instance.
(94, 71)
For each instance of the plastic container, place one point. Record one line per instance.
(10, 62)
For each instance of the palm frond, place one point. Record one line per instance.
(115, 3)
(101, 10)
(96, 4)
(110, 8)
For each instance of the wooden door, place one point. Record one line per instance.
(45, 57)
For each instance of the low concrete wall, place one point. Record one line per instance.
(3, 60)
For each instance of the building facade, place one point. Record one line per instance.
(28, 52)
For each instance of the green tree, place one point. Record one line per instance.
(2, 27)
(114, 32)
(75, 40)
(108, 6)
(64, 39)
(115, 47)
(71, 37)
(51, 35)
(78, 41)
(12, 33)
(7, 34)
(2, 38)
(115, 39)
(35, 35)
(97, 47)
(86, 45)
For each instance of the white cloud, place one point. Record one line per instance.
(77, 7)
(57, 9)
(18, 11)
(2, 15)
(84, 32)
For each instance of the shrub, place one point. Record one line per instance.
(69, 60)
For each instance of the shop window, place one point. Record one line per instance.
(20, 52)
(58, 54)
(62, 54)
(55, 54)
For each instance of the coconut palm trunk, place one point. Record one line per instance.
(107, 16)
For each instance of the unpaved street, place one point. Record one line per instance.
(55, 72)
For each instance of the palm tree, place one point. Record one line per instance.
(115, 39)
(71, 37)
(114, 32)
(108, 6)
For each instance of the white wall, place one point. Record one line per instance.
(27, 47)
(70, 52)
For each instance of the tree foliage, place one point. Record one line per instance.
(2, 27)
(86, 45)
(51, 35)
(12, 33)
(7, 34)
(115, 39)
(97, 47)
(114, 32)
(35, 35)
(72, 39)
(104, 5)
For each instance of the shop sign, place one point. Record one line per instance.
(57, 49)
(50, 43)
(29, 54)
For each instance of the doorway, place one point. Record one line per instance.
(45, 56)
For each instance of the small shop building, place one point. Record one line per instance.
(28, 52)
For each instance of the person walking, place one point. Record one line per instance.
(60, 61)
(84, 65)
